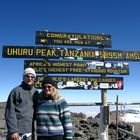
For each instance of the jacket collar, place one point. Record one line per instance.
(26, 86)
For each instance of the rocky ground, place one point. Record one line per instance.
(85, 128)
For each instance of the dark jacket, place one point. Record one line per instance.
(19, 109)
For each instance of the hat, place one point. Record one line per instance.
(48, 80)
(29, 71)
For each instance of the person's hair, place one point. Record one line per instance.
(55, 95)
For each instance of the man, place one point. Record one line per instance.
(20, 108)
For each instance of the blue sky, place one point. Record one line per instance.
(19, 20)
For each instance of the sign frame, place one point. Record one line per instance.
(69, 53)
(77, 67)
(83, 82)
(74, 39)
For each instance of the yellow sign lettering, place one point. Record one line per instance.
(20, 51)
(110, 55)
(133, 55)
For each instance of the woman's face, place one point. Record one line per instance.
(47, 88)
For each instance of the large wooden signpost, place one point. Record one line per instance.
(84, 61)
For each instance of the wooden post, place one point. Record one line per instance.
(103, 127)
(117, 118)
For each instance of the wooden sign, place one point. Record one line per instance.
(85, 83)
(77, 67)
(69, 53)
(76, 39)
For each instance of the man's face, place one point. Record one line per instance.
(29, 79)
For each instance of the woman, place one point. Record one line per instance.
(52, 114)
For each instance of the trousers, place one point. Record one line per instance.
(57, 137)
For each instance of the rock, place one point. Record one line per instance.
(84, 128)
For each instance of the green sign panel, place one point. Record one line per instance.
(76, 39)
(85, 83)
(77, 67)
(69, 53)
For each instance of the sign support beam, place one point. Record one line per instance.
(103, 123)
(103, 126)
(104, 114)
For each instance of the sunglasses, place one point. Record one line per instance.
(32, 77)
(47, 87)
